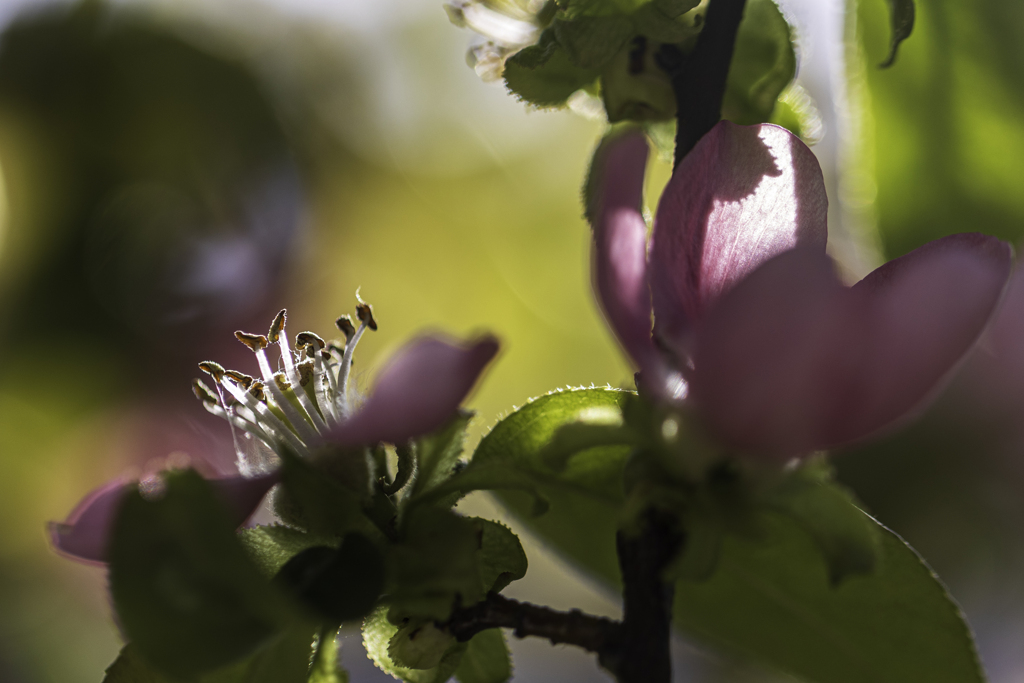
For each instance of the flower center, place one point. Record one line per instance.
(293, 407)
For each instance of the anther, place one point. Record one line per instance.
(282, 382)
(257, 391)
(309, 342)
(214, 370)
(344, 324)
(255, 342)
(277, 327)
(203, 392)
(240, 377)
(364, 312)
(305, 369)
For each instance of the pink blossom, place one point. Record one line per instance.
(416, 393)
(752, 328)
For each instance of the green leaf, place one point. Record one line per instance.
(185, 591)
(501, 557)
(941, 146)
(312, 498)
(487, 659)
(848, 539)
(770, 598)
(336, 584)
(515, 453)
(378, 633)
(438, 454)
(763, 64)
(270, 547)
(591, 42)
(325, 668)
(434, 562)
(543, 74)
(901, 19)
(283, 659)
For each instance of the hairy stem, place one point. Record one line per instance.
(647, 601)
(698, 79)
(594, 634)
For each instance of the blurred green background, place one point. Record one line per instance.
(175, 171)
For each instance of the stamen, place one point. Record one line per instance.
(346, 370)
(277, 334)
(217, 372)
(214, 370)
(268, 419)
(344, 324)
(364, 312)
(255, 342)
(300, 424)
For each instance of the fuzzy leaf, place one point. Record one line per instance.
(325, 667)
(435, 562)
(486, 660)
(185, 591)
(438, 454)
(501, 557)
(270, 547)
(543, 74)
(770, 598)
(378, 634)
(763, 64)
(337, 584)
(848, 539)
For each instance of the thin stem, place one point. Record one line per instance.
(698, 79)
(594, 634)
(647, 600)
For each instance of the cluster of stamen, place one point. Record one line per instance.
(293, 407)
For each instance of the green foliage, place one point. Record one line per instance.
(337, 584)
(901, 14)
(942, 148)
(311, 497)
(486, 660)
(325, 667)
(501, 558)
(437, 455)
(283, 659)
(610, 46)
(543, 74)
(770, 592)
(185, 591)
(379, 638)
(847, 538)
(435, 561)
(771, 598)
(763, 64)
(270, 547)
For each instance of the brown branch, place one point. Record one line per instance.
(698, 79)
(647, 600)
(594, 634)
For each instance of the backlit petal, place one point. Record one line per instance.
(85, 534)
(620, 244)
(418, 392)
(742, 196)
(791, 361)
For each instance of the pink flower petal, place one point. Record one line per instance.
(791, 361)
(85, 534)
(743, 195)
(418, 392)
(620, 245)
